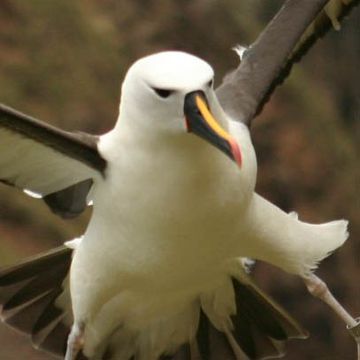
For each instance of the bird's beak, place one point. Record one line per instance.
(200, 121)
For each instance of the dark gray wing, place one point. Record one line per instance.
(45, 160)
(268, 61)
(35, 299)
(28, 292)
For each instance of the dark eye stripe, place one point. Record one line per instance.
(164, 93)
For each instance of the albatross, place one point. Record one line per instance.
(161, 270)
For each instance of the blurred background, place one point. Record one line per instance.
(63, 61)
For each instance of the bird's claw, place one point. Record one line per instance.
(354, 331)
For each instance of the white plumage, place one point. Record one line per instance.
(161, 271)
(172, 218)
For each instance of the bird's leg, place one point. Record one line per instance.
(75, 341)
(319, 289)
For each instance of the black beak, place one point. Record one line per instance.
(200, 121)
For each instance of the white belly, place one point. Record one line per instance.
(148, 253)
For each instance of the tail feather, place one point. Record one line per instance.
(211, 342)
(251, 340)
(260, 328)
(263, 346)
(281, 239)
(326, 239)
(260, 325)
(183, 353)
(252, 304)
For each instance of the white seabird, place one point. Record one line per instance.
(159, 270)
(173, 216)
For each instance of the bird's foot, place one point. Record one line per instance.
(319, 289)
(75, 342)
(355, 333)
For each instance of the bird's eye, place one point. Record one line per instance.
(210, 83)
(164, 93)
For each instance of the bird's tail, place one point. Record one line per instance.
(260, 327)
(322, 240)
(28, 294)
(284, 241)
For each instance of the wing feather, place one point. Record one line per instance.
(29, 298)
(48, 161)
(267, 63)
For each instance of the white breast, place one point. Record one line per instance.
(160, 230)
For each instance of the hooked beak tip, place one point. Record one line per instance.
(200, 121)
(235, 151)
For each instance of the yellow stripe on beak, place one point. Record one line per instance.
(202, 123)
(213, 124)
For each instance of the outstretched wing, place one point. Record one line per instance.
(266, 63)
(28, 294)
(42, 159)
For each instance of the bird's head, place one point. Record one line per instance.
(171, 93)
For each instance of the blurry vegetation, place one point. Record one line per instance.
(62, 61)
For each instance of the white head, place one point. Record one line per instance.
(169, 94)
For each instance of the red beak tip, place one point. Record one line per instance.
(235, 149)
